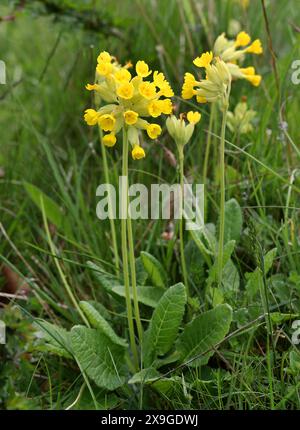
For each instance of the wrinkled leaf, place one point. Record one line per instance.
(100, 358)
(201, 334)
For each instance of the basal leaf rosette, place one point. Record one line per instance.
(127, 101)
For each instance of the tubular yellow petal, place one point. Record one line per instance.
(130, 117)
(142, 69)
(204, 60)
(91, 116)
(125, 91)
(107, 122)
(255, 47)
(242, 39)
(137, 152)
(153, 131)
(109, 139)
(193, 117)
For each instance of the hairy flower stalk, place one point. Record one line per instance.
(181, 132)
(111, 218)
(124, 103)
(125, 252)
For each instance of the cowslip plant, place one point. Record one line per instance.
(123, 102)
(215, 87)
(181, 132)
(221, 68)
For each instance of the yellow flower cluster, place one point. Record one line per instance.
(128, 100)
(214, 87)
(218, 65)
(233, 51)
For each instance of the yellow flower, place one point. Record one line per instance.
(193, 117)
(126, 90)
(188, 86)
(109, 139)
(242, 39)
(91, 116)
(130, 117)
(137, 152)
(201, 99)
(255, 47)
(154, 108)
(248, 70)
(122, 75)
(166, 106)
(153, 131)
(158, 78)
(142, 69)
(104, 68)
(166, 90)
(254, 79)
(147, 90)
(204, 60)
(107, 122)
(91, 87)
(104, 56)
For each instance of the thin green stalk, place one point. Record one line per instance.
(222, 190)
(125, 250)
(208, 141)
(133, 280)
(181, 172)
(110, 212)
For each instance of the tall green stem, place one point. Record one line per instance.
(125, 250)
(208, 141)
(181, 172)
(133, 280)
(222, 190)
(110, 213)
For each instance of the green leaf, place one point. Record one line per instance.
(165, 386)
(164, 324)
(279, 318)
(195, 263)
(254, 281)
(53, 212)
(144, 376)
(154, 269)
(213, 271)
(201, 334)
(233, 221)
(97, 321)
(106, 280)
(141, 274)
(230, 279)
(100, 358)
(295, 361)
(56, 339)
(147, 295)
